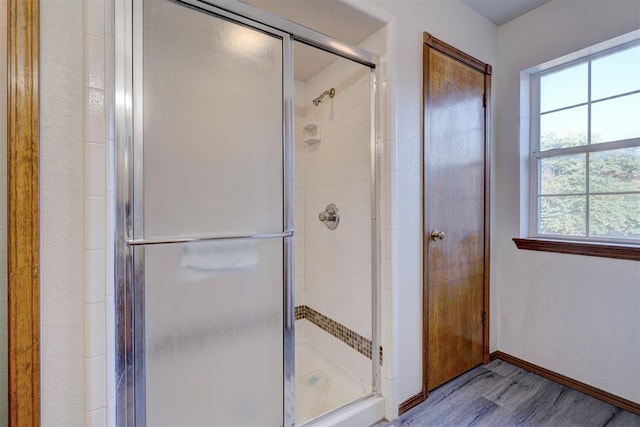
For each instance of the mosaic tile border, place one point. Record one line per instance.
(348, 336)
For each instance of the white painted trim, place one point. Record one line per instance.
(583, 53)
(530, 129)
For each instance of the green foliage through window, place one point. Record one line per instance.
(565, 205)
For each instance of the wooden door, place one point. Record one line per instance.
(455, 219)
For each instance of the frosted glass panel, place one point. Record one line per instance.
(212, 124)
(213, 315)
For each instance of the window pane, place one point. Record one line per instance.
(615, 216)
(564, 88)
(563, 174)
(562, 129)
(615, 170)
(616, 73)
(615, 119)
(563, 215)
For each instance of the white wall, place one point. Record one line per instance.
(76, 193)
(575, 315)
(458, 25)
(61, 216)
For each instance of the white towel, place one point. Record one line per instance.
(203, 260)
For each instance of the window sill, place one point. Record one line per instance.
(627, 252)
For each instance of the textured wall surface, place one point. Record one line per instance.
(546, 308)
(575, 315)
(458, 25)
(62, 224)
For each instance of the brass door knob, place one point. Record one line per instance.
(437, 235)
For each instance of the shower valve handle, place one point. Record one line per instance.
(330, 216)
(327, 216)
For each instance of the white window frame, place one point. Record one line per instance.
(534, 155)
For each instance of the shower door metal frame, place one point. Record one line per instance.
(130, 243)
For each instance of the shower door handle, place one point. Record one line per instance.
(164, 241)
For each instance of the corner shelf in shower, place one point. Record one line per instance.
(311, 133)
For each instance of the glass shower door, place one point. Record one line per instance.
(209, 227)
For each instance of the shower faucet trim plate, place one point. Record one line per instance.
(330, 216)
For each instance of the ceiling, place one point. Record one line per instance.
(331, 17)
(337, 19)
(502, 11)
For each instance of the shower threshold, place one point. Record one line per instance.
(327, 395)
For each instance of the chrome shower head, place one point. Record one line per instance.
(331, 92)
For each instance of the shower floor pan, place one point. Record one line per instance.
(322, 386)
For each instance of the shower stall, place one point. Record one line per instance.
(247, 245)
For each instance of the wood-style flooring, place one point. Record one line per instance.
(500, 394)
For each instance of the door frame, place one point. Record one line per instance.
(431, 42)
(23, 234)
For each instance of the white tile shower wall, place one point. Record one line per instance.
(110, 214)
(337, 170)
(337, 263)
(99, 196)
(381, 43)
(357, 365)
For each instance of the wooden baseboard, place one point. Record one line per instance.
(414, 400)
(612, 399)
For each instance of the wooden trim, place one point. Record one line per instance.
(486, 69)
(414, 400)
(424, 393)
(604, 250)
(23, 212)
(605, 396)
(487, 211)
(456, 54)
